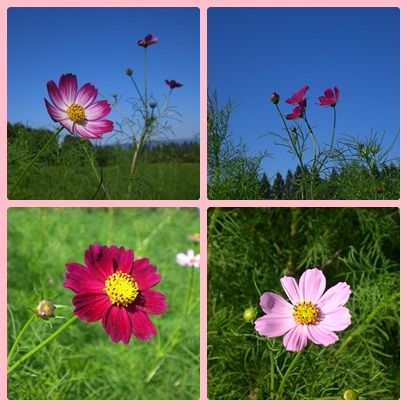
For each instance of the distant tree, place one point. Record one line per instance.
(288, 185)
(277, 190)
(265, 187)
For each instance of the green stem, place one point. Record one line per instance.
(287, 374)
(145, 81)
(314, 140)
(332, 140)
(18, 338)
(42, 344)
(35, 159)
(139, 93)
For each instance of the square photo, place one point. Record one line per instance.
(103, 304)
(303, 304)
(303, 103)
(106, 109)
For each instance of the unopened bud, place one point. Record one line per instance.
(274, 98)
(129, 72)
(250, 314)
(350, 394)
(45, 309)
(153, 105)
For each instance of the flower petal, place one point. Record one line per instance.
(116, 323)
(182, 259)
(55, 96)
(84, 132)
(86, 95)
(151, 301)
(336, 296)
(321, 335)
(291, 289)
(98, 127)
(273, 325)
(98, 110)
(68, 87)
(69, 125)
(312, 285)
(99, 260)
(122, 259)
(275, 303)
(337, 320)
(90, 307)
(57, 115)
(336, 90)
(329, 93)
(296, 339)
(141, 325)
(81, 279)
(145, 274)
(297, 96)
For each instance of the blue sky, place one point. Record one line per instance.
(255, 51)
(98, 44)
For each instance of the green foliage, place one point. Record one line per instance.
(167, 171)
(83, 363)
(232, 174)
(250, 249)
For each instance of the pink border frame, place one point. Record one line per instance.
(203, 203)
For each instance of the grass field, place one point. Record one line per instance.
(83, 363)
(250, 249)
(153, 181)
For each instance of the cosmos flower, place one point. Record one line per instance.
(78, 111)
(147, 40)
(188, 259)
(313, 314)
(173, 84)
(330, 97)
(111, 286)
(298, 111)
(298, 97)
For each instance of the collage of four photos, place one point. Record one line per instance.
(285, 177)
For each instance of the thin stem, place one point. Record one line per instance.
(272, 374)
(287, 374)
(145, 81)
(45, 146)
(42, 344)
(314, 140)
(332, 140)
(139, 93)
(92, 164)
(18, 338)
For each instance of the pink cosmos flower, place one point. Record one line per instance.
(188, 259)
(173, 84)
(77, 110)
(111, 286)
(147, 40)
(312, 314)
(298, 111)
(330, 97)
(298, 97)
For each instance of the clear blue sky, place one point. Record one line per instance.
(255, 51)
(98, 44)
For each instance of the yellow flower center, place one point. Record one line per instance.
(76, 113)
(305, 313)
(121, 288)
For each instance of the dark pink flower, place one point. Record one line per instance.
(330, 97)
(298, 111)
(298, 97)
(147, 40)
(115, 288)
(274, 98)
(173, 84)
(312, 313)
(77, 110)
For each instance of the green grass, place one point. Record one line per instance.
(250, 249)
(83, 363)
(153, 181)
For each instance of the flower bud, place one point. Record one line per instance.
(153, 105)
(45, 309)
(350, 394)
(129, 72)
(274, 98)
(250, 314)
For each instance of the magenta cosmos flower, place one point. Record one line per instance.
(173, 84)
(312, 315)
(330, 98)
(147, 40)
(111, 286)
(298, 111)
(77, 110)
(298, 97)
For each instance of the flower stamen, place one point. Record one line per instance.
(76, 113)
(305, 313)
(121, 289)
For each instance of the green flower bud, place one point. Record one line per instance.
(45, 309)
(350, 394)
(250, 314)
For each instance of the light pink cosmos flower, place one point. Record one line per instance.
(313, 313)
(77, 110)
(330, 97)
(188, 259)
